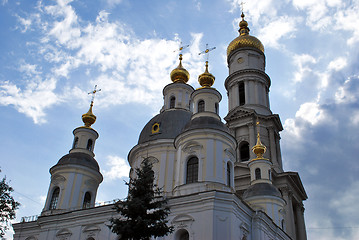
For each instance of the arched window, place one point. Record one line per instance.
(87, 200)
(54, 198)
(216, 107)
(192, 170)
(269, 175)
(182, 234)
(76, 141)
(244, 151)
(242, 96)
(172, 102)
(89, 145)
(201, 106)
(283, 224)
(257, 173)
(228, 174)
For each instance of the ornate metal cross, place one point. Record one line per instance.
(95, 90)
(207, 51)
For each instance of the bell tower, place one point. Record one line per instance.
(247, 88)
(76, 176)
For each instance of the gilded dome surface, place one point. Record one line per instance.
(206, 79)
(179, 74)
(244, 39)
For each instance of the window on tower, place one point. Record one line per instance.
(201, 106)
(89, 144)
(244, 151)
(257, 173)
(242, 96)
(216, 107)
(192, 170)
(54, 198)
(87, 200)
(172, 102)
(228, 174)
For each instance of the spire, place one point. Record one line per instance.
(206, 79)
(243, 26)
(179, 74)
(89, 118)
(259, 149)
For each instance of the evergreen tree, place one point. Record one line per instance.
(7, 206)
(144, 212)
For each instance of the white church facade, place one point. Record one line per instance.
(222, 181)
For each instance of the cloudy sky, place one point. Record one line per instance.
(54, 52)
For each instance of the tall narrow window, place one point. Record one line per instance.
(89, 145)
(228, 174)
(242, 96)
(172, 102)
(54, 198)
(192, 170)
(216, 107)
(257, 173)
(270, 175)
(244, 151)
(87, 200)
(76, 141)
(201, 106)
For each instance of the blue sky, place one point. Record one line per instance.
(54, 52)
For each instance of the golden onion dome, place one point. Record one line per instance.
(89, 118)
(179, 74)
(206, 79)
(244, 39)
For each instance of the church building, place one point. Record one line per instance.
(222, 180)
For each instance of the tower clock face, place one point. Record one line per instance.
(240, 60)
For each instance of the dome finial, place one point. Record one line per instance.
(206, 79)
(243, 26)
(259, 149)
(179, 74)
(89, 118)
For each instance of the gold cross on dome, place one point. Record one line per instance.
(95, 90)
(181, 48)
(242, 6)
(207, 51)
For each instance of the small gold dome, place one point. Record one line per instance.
(206, 79)
(89, 118)
(179, 74)
(244, 39)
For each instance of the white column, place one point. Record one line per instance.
(302, 235)
(235, 95)
(246, 91)
(273, 151)
(289, 216)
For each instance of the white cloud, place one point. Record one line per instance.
(337, 64)
(33, 100)
(345, 93)
(304, 63)
(272, 33)
(29, 69)
(127, 68)
(348, 20)
(119, 168)
(310, 112)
